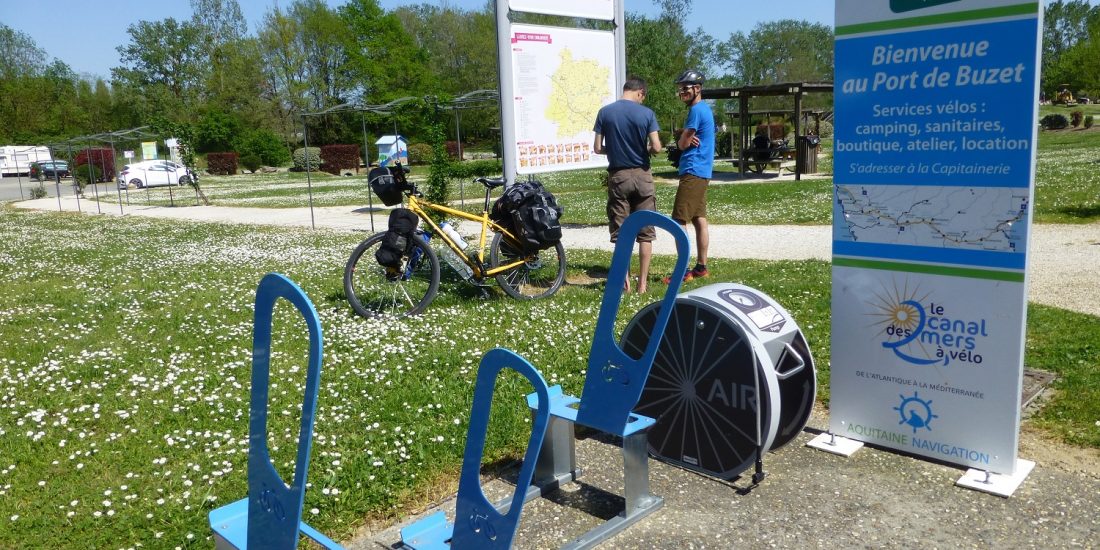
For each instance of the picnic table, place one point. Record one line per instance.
(756, 159)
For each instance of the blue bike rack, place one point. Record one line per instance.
(478, 523)
(615, 380)
(612, 387)
(271, 516)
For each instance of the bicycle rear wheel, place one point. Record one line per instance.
(373, 290)
(540, 275)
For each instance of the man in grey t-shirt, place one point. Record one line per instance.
(626, 131)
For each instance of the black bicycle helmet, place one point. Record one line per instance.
(691, 76)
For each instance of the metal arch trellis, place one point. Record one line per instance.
(465, 101)
(140, 132)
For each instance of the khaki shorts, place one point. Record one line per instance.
(630, 190)
(691, 199)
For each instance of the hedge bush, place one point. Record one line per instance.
(102, 158)
(264, 144)
(420, 153)
(1054, 121)
(300, 155)
(722, 145)
(476, 168)
(337, 158)
(251, 162)
(1088, 121)
(1075, 118)
(452, 149)
(222, 164)
(84, 174)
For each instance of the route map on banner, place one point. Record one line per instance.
(561, 78)
(937, 107)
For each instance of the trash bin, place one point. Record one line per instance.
(807, 153)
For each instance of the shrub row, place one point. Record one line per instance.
(102, 158)
(476, 168)
(222, 164)
(339, 157)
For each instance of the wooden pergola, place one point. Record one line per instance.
(744, 93)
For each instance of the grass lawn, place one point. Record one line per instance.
(124, 374)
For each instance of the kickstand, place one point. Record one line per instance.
(484, 292)
(759, 474)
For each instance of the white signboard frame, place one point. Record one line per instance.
(591, 9)
(560, 79)
(936, 110)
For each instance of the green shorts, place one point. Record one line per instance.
(691, 199)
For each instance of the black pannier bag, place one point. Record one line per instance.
(538, 222)
(531, 213)
(397, 240)
(384, 185)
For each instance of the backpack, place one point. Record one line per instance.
(397, 239)
(674, 154)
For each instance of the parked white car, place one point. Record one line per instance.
(151, 173)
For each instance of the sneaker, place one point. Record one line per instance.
(692, 274)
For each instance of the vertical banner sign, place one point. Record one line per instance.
(148, 150)
(936, 125)
(560, 77)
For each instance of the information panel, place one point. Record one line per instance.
(592, 9)
(936, 110)
(561, 77)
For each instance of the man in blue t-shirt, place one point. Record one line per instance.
(626, 131)
(696, 164)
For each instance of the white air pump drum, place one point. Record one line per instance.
(733, 375)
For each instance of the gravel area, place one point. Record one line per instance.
(812, 499)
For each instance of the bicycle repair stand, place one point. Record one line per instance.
(613, 385)
(270, 517)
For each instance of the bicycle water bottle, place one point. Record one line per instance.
(450, 231)
(451, 258)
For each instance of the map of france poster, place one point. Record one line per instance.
(560, 77)
(936, 109)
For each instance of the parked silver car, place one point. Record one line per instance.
(151, 173)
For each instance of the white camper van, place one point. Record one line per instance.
(17, 159)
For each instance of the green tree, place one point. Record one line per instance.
(383, 60)
(658, 50)
(164, 61)
(216, 131)
(21, 63)
(1068, 37)
(285, 71)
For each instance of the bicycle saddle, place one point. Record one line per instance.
(491, 183)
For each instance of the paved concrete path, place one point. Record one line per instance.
(1064, 270)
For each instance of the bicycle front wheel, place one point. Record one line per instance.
(540, 275)
(374, 290)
